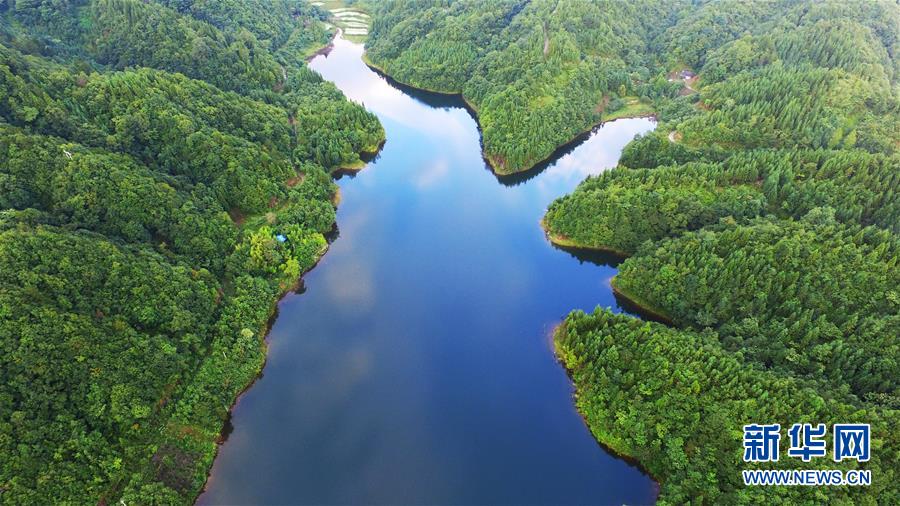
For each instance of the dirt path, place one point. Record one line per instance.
(688, 82)
(546, 40)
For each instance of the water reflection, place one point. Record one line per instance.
(431, 99)
(416, 368)
(576, 156)
(592, 256)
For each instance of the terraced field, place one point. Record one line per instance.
(351, 20)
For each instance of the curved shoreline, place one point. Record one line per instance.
(565, 242)
(606, 445)
(491, 159)
(562, 242)
(366, 155)
(293, 289)
(643, 308)
(576, 139)
(452, 94)
(290, 291)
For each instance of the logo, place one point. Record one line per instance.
(850, 441)
(805, 442)
(761, 442)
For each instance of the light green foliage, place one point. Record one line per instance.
(811, 297)
(275, 23)
(778, 106)
(93, 335)
(621, 209)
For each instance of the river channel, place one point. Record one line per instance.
(416, 367)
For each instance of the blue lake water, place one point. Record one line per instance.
(417, 367)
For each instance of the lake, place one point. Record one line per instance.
(417, 366)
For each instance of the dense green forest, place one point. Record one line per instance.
(675, 400)
(537, 72)
(540, 72)
(164, 177)
(761, 217)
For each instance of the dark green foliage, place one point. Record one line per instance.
(858, 186)
(763, 218)
(186, 128)
(778, 106)
(654, 150)
(676, 401)
(540, 72)
(811, 297)
(622, 208)
(239, 147)
(273, 22)
(93, 336)
(57, 17)
(240, 46)
(111, 194)
(529, 100)
(330, 131)
(127, 33)
(139, 210)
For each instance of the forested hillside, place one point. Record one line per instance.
(164, 177)
(540, 72)
(762, 219)
(761, 215)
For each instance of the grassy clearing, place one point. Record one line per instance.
(634, 108)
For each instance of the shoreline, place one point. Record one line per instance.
(603, 444)
(380, 70)
(645, 310)
(451, 94)
(367, 154)
(577, 139)
(295, 288)
(227, 427)
(565, 242)
(290, 290)
(491, 159)
(324, 50)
